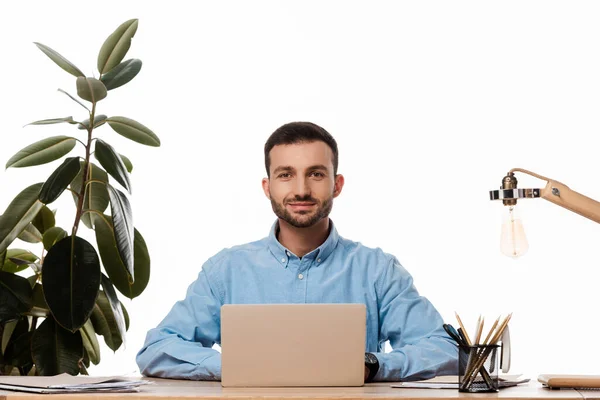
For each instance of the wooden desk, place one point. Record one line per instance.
(174, 389)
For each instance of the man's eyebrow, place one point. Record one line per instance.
(283, 168)
(317, 166)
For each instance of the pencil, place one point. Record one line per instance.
(479, 329)
(463, 329)
(489, 335)
(499, 331)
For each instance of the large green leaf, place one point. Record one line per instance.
(133, 130)
(68, 120)
(112, 163)
(96, 195)
(122, 218)
(44, 220)
(52, 236)
(116, 46)
(60, 60)
(71, 281)
(122, 73)
(20, 212)
(109, 254)
(15, 296)
(105, 323)
(90, 341)
(56, 350)
(18, 260)
(115, 305)
(59, 180)
(90, 89)
(30, 234)
(114, 265)
(42, 152)
(101, 315)
(98, 121)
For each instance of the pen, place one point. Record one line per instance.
(462, 335)
(454, 334)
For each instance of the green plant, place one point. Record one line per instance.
(68, 288)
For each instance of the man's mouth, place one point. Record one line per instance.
(301, 205)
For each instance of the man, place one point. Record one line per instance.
(303, 260)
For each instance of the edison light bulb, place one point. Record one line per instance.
(513, 242)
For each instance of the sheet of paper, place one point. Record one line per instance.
(57, 391)
(65, 383)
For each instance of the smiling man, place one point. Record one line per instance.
(303, 260)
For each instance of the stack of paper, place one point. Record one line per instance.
(451, 382)
(66, 383)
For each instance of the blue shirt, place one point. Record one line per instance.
(338, 271)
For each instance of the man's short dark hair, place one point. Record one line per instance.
(300, 132)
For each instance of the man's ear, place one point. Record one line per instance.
(339, 184)
(265, 186)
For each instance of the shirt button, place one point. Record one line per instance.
(300, 276)
(283, 260)
(288, 253)
(318, 260)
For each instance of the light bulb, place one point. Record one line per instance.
(513, 242)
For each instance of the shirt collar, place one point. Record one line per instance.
(320, 254)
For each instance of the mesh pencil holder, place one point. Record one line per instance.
(478, 368)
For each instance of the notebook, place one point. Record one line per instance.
(570, 381)
(293, 345)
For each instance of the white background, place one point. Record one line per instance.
(431, 103)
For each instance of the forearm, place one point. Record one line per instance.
(169, 356)
(424, 359)
(181, 346)
(413, 327)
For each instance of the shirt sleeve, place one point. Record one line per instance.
(180, 347)
(421, 347)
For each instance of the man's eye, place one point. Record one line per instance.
(285, 175)
(317, 174)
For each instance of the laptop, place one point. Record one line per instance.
(265, 345)
(568, 381)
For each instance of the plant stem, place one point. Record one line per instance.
(42, 258)
(86, 166)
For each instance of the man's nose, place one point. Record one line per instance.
(301, 187)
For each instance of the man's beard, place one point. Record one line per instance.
(304, 219)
